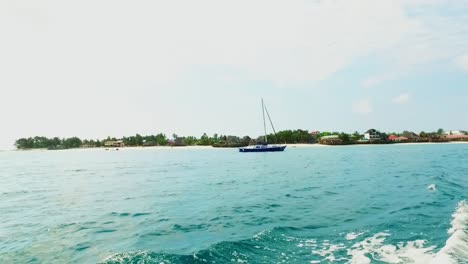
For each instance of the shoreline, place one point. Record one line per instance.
(317, 145)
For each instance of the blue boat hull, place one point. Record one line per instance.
(263, 149)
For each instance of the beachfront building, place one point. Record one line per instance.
(114, 143)
(411, 136)
(373, 135)
(402, 139)
(331, 140)
(458, 137)
(313, 138)
(396, 138)
(454, 132)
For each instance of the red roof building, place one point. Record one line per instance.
(397, 138)
(457, 137)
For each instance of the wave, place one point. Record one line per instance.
(456, 246)
(374, 248)
(283, 245)
(454, 251)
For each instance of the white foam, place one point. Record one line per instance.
(454, 251)
(124, 257)
(311, 243)
(456, 247)
(374, 248)
(353, 235)
(410, 252)
(327, 251)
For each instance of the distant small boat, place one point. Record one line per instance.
(264, 147)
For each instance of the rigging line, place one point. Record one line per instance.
(264, 124)
(271, 123)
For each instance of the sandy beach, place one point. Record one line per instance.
(210, 147)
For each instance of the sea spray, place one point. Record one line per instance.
(456, 247)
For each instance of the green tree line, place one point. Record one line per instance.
(281, 137)
(49, 143)
(288, 137)
(137, 140)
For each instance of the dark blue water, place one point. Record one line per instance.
(356, 204)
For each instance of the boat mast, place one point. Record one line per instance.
(264, 123)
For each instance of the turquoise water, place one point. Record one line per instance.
(352, 204)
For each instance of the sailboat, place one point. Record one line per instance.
(264, 147)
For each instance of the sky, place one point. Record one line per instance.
(115, 68)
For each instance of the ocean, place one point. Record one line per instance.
(341, 204)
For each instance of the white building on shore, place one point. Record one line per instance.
(372, 135)
(454, 132)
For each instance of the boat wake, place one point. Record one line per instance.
(282, 245)
(456, 247)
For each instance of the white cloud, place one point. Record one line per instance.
(402, 98)
(273, 40)
(377, 79)
(463, 62)
(433, 37)
(362, 106)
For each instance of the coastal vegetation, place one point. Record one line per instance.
(289, 137)
(132, 141)
(50, 143)
(297, 136)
